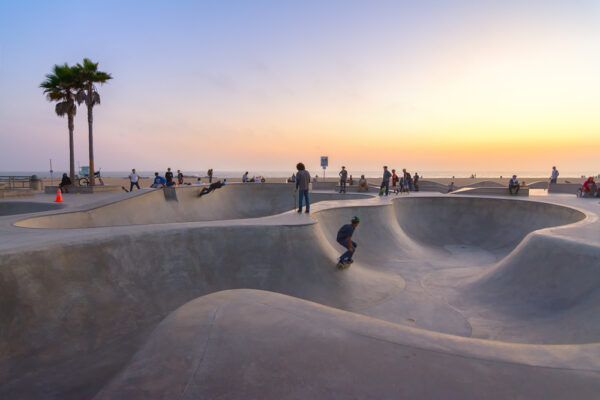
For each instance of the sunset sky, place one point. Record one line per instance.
(259, 85)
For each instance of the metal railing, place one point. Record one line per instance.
(15, 182)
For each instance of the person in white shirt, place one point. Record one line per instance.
(134, 179)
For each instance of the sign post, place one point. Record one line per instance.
(324, 164)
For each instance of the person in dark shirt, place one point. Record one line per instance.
(385, 183)
(169, 177)
(65, 183)
(179, 177)
(212, 187)
(343, 178)
(344, 237)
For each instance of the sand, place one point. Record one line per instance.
(458, 182)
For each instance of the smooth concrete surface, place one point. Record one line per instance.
(232, 201)
(450, 297)
(490, 191)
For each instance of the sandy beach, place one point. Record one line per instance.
(459, 182)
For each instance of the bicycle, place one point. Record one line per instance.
(85, 180)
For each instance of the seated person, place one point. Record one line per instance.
(159, 181)
(362, 184)
(451, 187)
(513, 184)
(351, 181)
(589, 188)
(64, 184)
(212, 187)
(198, 181)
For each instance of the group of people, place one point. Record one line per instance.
(403, 183)
(159, 181)
(254, 179)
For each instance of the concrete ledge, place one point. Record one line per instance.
(491, 191)
(86, 189)
(14, 193)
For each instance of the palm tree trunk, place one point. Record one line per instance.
(71, 150)
(91, 144)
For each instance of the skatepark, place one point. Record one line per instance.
(164, 295)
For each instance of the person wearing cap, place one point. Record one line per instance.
(343, 178)
(344, 237)
(513, 184)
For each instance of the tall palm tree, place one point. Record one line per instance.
(61, 86)
(87, 76)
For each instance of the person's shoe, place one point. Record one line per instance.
(307, 211)
(300, 211)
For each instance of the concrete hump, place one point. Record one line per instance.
(249, 344)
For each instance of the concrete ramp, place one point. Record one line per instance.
(233, 201)
(250, 344)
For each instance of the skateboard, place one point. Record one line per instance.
(343, 265)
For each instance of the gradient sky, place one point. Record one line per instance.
(259, 85)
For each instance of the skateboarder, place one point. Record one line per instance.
(212, 187)
(344, 237)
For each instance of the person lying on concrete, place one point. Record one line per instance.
(362, 184)
(65, 184)
(589, 188)
(159, 181)
(212, 187)
(513, 184)
(344, 237)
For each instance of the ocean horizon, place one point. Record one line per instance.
(433, 174)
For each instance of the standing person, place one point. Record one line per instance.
(302, 182)
(245, 177)
(514, 184)
(394, 181)
(385, 183)
(134, 179)
(416, 181)
(179, 177)
(210, 174)
(169, 177)
(344, 237)
(343, 178)
(554, 175)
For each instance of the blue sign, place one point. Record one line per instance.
(324, 162)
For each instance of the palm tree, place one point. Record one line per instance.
(87, 76)
(60, 86)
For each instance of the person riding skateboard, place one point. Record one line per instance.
(344, 237)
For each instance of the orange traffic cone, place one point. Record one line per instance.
(58, 196)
